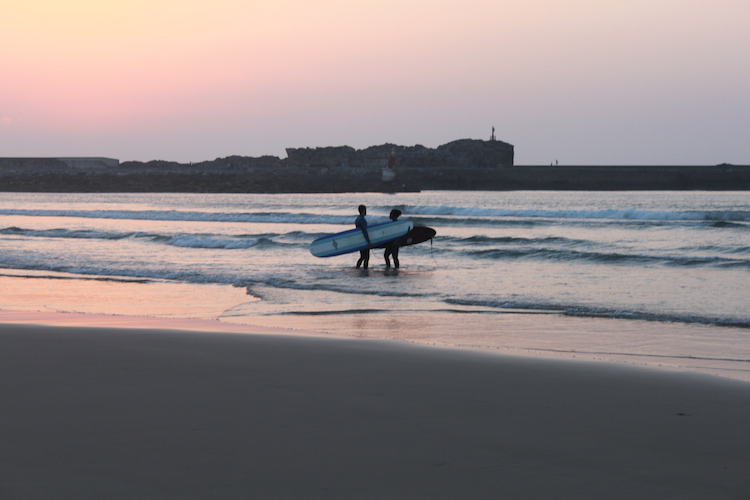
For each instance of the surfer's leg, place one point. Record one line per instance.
(395, 257)
(366, 257)
(387, 260)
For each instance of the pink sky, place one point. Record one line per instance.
(581, 81)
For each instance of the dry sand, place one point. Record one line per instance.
(105, 413)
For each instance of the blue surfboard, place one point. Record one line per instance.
(353, 239)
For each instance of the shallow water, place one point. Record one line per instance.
(614, 275)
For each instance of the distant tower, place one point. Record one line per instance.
(492, 137)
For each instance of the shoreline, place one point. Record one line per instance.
(122, 321)
(521, 335)
(103, 412)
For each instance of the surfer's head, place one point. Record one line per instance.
(395, 214)
(362, 210)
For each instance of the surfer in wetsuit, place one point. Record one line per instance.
(391, 248)
(361, 222)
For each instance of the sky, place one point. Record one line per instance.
(582, 82)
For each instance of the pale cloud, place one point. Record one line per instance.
(6, 122)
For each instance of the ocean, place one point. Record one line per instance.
(657, 278)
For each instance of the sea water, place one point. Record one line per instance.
(654, 277)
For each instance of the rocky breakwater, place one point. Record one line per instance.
(459, 165)
(344, 168)
(464, 153)
(326, 169)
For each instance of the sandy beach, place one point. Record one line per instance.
(149, 412)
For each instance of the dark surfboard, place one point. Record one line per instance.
(418, 234)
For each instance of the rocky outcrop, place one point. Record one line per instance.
(464, 153)
(228, 163)
(82, 163)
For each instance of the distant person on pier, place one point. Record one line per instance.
(391, 248)
(361, 222)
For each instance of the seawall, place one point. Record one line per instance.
(324, 179)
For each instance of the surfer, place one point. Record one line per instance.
(361, 222)
(391, 248)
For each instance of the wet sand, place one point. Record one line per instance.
(149, 412)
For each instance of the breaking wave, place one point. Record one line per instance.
(617, 215)
(185, 241)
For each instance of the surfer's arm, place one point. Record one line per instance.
(362, 224)
(367, 237)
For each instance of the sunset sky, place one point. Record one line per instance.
(579, 81)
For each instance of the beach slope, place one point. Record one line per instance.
(145, 413)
